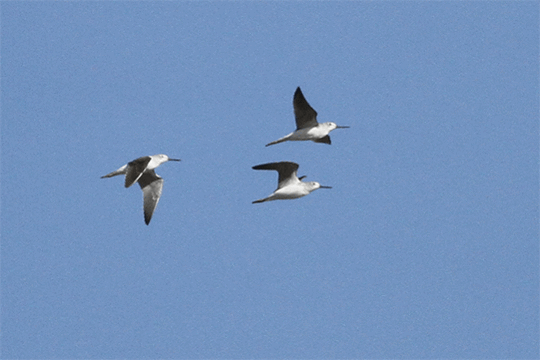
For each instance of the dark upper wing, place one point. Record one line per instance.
(151, 185)
(286, 170)
(303, 112)
(324, 139)
(135, 169)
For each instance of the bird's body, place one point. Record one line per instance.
(307, 127)
(141, 170)
(289, 185)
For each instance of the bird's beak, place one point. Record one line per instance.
(342, 127)
(325, 187)
(174, 159)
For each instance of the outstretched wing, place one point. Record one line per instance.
(151, 185)
(305, 115)
(286, 170)
(135, 169)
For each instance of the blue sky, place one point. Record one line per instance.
(426, 247)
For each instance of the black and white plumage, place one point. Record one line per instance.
(289, 185)
(141, 170)
(307, 127)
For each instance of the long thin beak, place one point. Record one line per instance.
(174, 159)
(325, 187)
(342, 127)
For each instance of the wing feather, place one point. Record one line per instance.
(324, 139)
(152, 186)
(135, 169)
(305, 115)
(286, 169)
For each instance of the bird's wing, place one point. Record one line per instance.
(305, 115)
(135, 169)
(286, 170)
(151, 185)
(324, 139)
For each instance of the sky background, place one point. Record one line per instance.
(426, 247)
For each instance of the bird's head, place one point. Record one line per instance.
(164, 158)
(313, 185)
(332, 126)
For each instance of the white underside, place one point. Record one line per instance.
(294, 191)
(312, 133)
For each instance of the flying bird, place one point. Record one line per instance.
(141, 170)
(307, 127)
(289, 185)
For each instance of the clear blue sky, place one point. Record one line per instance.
(426, 247)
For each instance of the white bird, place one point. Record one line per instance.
(307, 127)
(141, 170)
(289, 185)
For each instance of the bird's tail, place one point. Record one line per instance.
(259, 201)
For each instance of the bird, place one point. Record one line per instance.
(141, 170)
(289, 185)
(307, 127)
